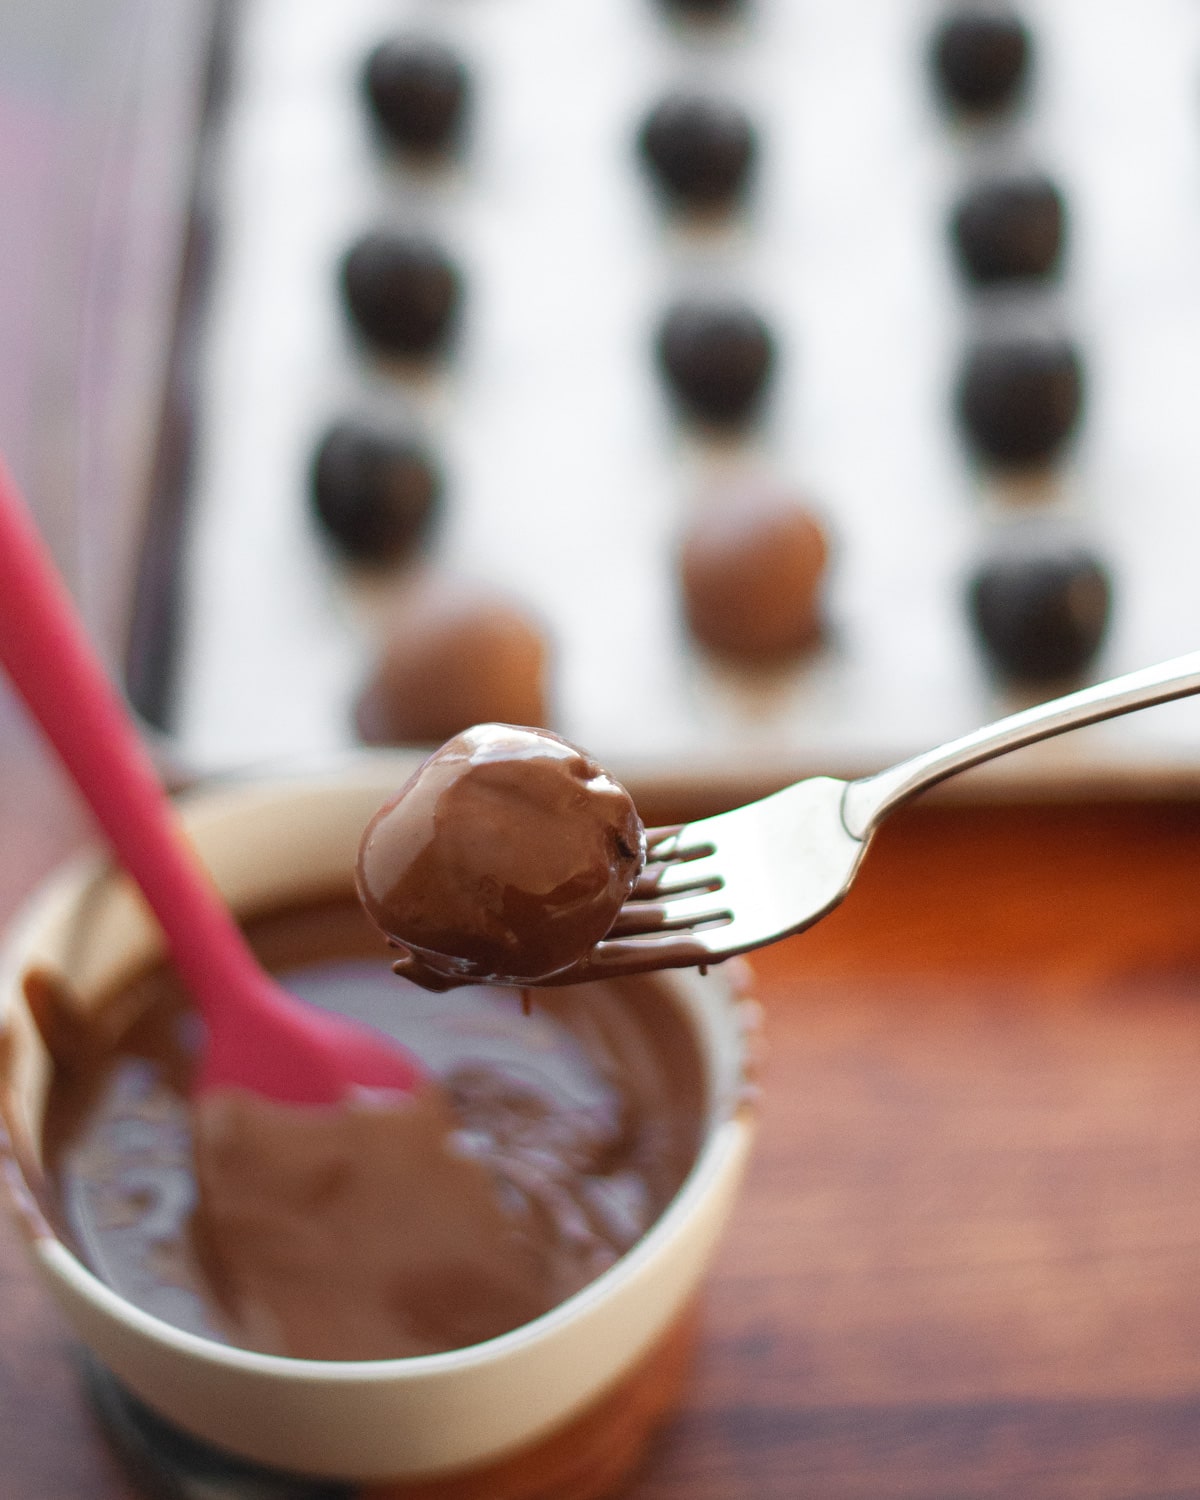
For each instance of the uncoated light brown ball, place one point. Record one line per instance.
(751, 565)
(454, 654)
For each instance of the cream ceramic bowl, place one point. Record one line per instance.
(267, 843)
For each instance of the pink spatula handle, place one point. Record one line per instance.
(45, 652)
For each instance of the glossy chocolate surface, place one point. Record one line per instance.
(544, 1146)
(506, 855)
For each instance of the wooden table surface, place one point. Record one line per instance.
(967, 1259)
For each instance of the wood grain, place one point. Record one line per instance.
(967, 1261)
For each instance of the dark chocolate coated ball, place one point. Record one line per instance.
(402, 292)
(1019, 398)
(716, 357)
(981, 56)
(373, 491)
(1041, 611)
(1009, 228)
(417, 89)
(699, 147)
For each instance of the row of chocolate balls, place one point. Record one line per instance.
(1043, 608)
(419, 92)
(749, 571)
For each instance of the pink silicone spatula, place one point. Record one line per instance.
(260, 1038)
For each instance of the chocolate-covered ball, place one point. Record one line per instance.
(417, 89)
(1040, 609)
(1009, 228)
(453, 654)
(716, 357)
(402, 291)
(374, 491)
(700, 148)
(751, 564)
(1019, 398)
(506, 856)
(981, 56)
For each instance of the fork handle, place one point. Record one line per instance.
(871, 798)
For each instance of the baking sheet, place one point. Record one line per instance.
(568, 478)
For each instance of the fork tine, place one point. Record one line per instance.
(639, 917)
(672, 844)
(663, 880)
(694, 874)
(654, 950)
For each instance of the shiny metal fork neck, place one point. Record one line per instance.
(871, 798)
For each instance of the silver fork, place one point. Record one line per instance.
(745, 878)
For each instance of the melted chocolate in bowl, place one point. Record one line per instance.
(543, 1148)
